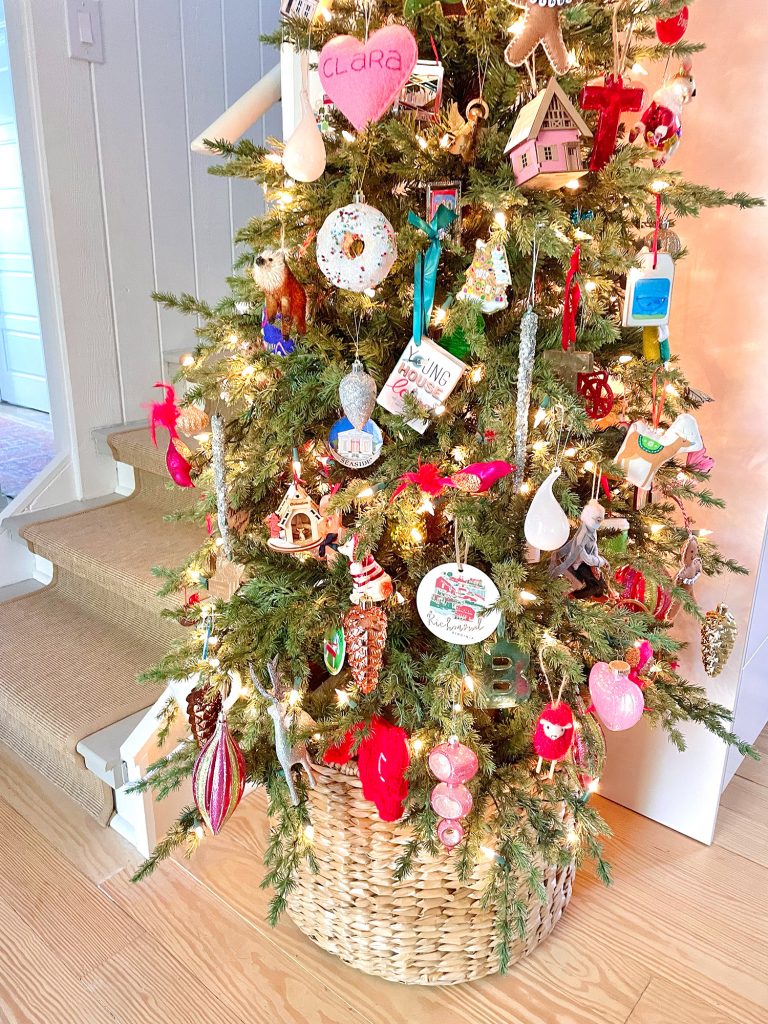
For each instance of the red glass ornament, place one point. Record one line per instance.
(611, 100)
(218, 778)
(671, 30)
(632, 583)
(596, 392)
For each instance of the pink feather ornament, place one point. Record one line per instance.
(166, 414)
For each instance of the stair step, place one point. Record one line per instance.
(135, 448)
(116, 546)
(65, 673)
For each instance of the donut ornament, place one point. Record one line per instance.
(356, 246)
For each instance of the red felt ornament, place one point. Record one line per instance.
(671, 30)
(596, 392)
(632, 593)
(166, 414)
(218, 778)
(571, 300)
(611, 99)
(382, 761)
(553, 736)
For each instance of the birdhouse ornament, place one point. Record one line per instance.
(297, 525)
(544, 147)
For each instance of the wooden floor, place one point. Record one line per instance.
(681, 938)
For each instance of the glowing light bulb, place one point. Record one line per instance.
(527, 596)
(547, 639)
(569, 453)
(590, 286)
(417, 745)
(294, 697)
(541, 415)
(477, 374)
(671, 390)
(516, 28)
(309, 833)
(525, 487)
(370, 292)
(469, 682)
(187, 359)
(659, 185)
(582, 236)
(426, 507)
(199, 833)
(348, 136)
(593, 786)
(589, 465)
(626, 358)
(202, 438)
(439, 316)
(488, 853)
(248, 371)
(459, 454)
(214, 662)
(416, 535)
(540, 445)
(274, 158)
(573, 184)
(342, 697)
(572, 837)
(703, 532)
(219, 542)
(656, 528)
(638, 69)
(445, 141)
(422, 141)
(296, 466)
(501, 219)
(439, 409)
(367, 492)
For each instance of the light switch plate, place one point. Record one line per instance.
(84, 30)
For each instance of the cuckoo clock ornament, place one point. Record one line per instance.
(610, 99)
(544, 147)
(541, 24)
(296, 527)
(646, 449)
(596, 391)
(457, 602)
(553, 735)
(718, 635)
(365, 637)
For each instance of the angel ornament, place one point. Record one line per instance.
(463, 136)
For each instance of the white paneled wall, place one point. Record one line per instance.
(126, 207)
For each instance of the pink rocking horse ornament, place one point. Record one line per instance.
(645, 449)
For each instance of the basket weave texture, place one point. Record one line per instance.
(429, 929)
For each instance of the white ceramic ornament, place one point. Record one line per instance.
(356, 247)
(546, 525)
(355, 448)
(426, 371)
(455, 603)
(304, 153)
(649, 291)
(357, 393)
(645, 449)
(617, 700)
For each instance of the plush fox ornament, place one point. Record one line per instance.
(282, 292)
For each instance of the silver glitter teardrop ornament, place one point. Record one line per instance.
(357, 393)
(527, 353)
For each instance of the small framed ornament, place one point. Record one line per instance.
(334, 650)
(422, 94)
(353, 447)
(445, 193)
(426, 371)
(456, 603)
(649, 291)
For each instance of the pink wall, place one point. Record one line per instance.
(718, 328)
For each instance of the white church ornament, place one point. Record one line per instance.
(354, 447)
(456, 603)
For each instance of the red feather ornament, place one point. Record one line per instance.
(218, 778)
(166, 414)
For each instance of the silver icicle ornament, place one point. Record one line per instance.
(220, 481)
(528, 327)
(357, 393)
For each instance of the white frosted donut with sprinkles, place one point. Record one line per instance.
(356, 247)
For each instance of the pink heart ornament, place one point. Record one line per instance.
(364, 79)
(617, 700)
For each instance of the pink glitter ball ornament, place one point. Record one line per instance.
(453, 764)
(450, 833)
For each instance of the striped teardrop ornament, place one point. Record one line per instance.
(219, 777)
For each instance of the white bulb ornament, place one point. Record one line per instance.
(304, 154)
(546, 525)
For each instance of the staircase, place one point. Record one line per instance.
(70, 653)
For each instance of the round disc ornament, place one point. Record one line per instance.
(355, 448)
(334, 650)
(356, 247)
(456, 602)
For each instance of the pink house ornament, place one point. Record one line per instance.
(544, 147)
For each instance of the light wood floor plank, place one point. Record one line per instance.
(79, 925)
(755, 771)
(35, 987)
(742, 823)
(665, 1003)
(262, 985)
(96, 852)
(146, 984)
(560, 982)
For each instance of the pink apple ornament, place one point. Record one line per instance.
(364, 79)
(617, 700)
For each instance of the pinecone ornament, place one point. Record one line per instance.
(203, 710)
(365, 633)
(718, 635)
(192, 420)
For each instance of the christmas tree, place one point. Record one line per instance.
(450, 440)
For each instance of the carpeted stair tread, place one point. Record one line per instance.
(135, 448)
(117, 545)
(65, 672)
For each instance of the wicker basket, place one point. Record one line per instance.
(426, 930)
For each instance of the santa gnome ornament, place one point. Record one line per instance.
(283, 294)
(554, 735)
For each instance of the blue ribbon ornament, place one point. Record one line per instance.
(425, 267)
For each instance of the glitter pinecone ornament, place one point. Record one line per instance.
(365, 633)
(203, 710)
(718, 635)
(357, 393)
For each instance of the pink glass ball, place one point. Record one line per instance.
(450, 832)
(618, 701)
(451, 801)
(453, 762)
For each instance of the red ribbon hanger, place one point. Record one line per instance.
(571, 300)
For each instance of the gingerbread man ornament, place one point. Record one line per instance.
(540, 25)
